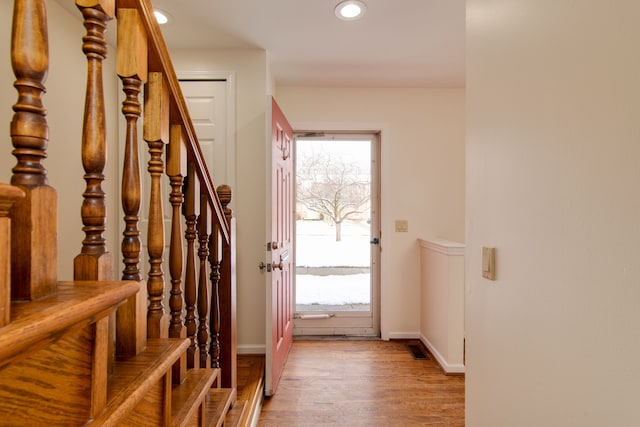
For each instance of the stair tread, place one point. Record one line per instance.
(236, 414)
(35, 324)
(217, 405)
(134, 376)
(185, 397)
(250, 385)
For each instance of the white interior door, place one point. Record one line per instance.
(207, 104)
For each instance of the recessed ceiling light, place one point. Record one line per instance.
(350, 10)
(161, 16)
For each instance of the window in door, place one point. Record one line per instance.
(337, 235)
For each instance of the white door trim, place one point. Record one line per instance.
(383, 131)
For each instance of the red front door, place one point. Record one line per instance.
(280, 295)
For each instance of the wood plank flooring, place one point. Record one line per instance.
(356, 383)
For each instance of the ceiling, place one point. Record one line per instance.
(397, 43)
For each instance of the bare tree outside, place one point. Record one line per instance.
(333, 227)
(334, 187)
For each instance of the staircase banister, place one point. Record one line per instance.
(160, 60)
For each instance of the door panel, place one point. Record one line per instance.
(280, 292)
(206, 100)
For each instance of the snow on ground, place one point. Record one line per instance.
(332, 290)
(316, 247)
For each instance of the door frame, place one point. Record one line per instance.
(330, 326)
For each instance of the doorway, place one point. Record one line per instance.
(337, 232)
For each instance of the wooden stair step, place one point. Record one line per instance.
(218, 403)
(186, 398)
(250, 386)
(141, 377)
(254, 403)
(236, 415)
(36, 324)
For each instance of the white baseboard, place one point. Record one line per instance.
(457, 368)
(256, 415)
(251, 349)
(403, 335)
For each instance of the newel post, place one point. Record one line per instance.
(35, 218)
(228, 341)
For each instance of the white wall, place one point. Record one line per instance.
(64, 102)
(250, 72)
(422, 170)
(553, 181)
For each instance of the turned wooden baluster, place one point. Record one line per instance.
(156, 134)
(228, 356)
(132, 69)
(215, 257)
(34, 246)
(191, 207)
(204, 230)
(176, 169)
(94, 262)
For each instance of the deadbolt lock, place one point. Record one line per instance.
(263, 266)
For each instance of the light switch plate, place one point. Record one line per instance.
(489, 263)
(402, 225)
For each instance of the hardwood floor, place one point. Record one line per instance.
(353, 383)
